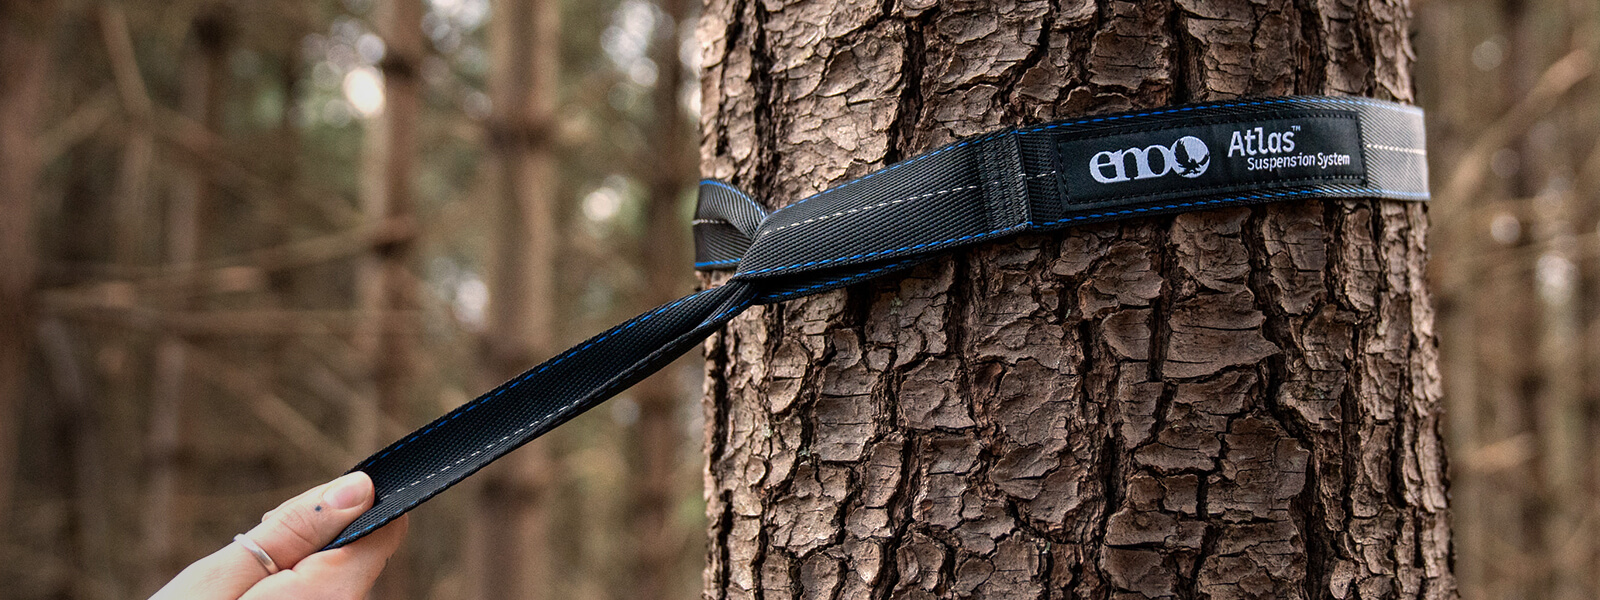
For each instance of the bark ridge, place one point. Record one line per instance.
(1240, 403)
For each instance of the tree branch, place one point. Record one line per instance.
(225, 272)
(1469, 173)
(277, 414)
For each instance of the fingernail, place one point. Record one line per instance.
(347, 491)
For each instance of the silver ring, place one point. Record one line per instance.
(256, 551)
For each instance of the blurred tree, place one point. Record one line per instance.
(1514, 265)
(201, 88)
(656, 444)
(511, 529)
(388, 282)
(25, 63)
(1240, 403)
(108, 420)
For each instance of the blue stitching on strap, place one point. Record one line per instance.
(1128, 211)
(1356, 101)
(1260, 196)
(542, 422)
(466, 408)
(737, 192)
(1391, 106)
(841, 280)
(1017, 227)
(895, 166)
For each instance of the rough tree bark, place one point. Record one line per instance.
(1239, 403)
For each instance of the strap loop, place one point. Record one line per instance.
(1038, 178)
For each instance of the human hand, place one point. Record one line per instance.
(291, 534)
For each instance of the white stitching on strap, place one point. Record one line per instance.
(1416, 151)
(883, 204)
(866, 208)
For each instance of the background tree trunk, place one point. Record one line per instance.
(1240, 403)
(389, 281)
(24, 69)
(202, 87)
(656, 442)
(511, 529)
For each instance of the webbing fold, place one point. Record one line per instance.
(1036, 178)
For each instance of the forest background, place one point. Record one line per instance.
(245, 243)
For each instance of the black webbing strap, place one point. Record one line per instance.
(1036, 178)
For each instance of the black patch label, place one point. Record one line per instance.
(1250, 153)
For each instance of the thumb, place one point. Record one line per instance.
(308, 522)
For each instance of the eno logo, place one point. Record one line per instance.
(1188, 157)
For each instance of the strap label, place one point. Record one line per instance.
(1248, 153)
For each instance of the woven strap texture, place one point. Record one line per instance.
(1037, 178)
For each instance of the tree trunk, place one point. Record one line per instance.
(1554, 385)
(114, 416)
(201, 89)
(511, 530)
(656, 442)
(1239, 403)
(388, 284)
(24, 83)
(1460, 255)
